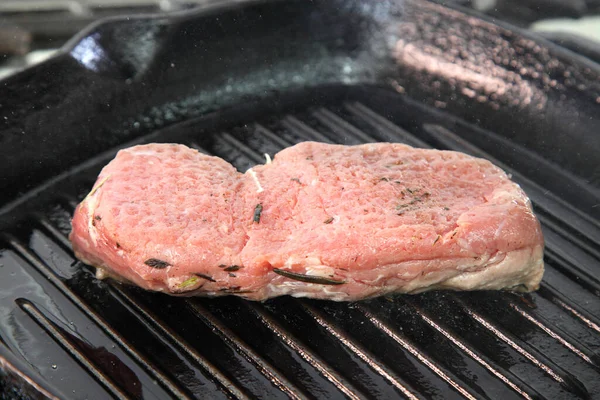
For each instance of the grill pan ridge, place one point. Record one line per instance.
(77, 337)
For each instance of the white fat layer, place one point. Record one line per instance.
(255, 178)
(224, 228)
(313, 266)
(518, 270)
(92, 204)
(319, 270)
(376, 280)
(301, 260)
(268, 159)
(517, 267)
(335, 295)
(500, 271)
(310, 289)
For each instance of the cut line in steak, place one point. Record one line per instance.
(322, 221)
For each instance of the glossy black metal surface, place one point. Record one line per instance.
(81, 338)
(126, 77)
(120, 341)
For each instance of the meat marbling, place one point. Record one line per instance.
(323, 221)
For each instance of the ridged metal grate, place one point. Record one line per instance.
(100, 339)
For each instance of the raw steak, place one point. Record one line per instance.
(323, 221)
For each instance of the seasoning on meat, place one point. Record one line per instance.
(156, 263)
(207, 277)
(257, 211)
(321, 280)
(440, 220)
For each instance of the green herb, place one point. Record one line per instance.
(295, 180)
(118, 245)
(231, 274)
(257, 211)
(454, 234)
(328, 220)
(156, 263)
(207, 277)
(385, 179)
(308, 278)
(437, 239)
(232, 268)
(222, 265)
(188, 282)
(446, 209)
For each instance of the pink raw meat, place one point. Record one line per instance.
(322, 221)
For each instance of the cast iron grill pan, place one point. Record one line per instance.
(89, 339)
(76, 337)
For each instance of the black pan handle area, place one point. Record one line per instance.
(126, 77)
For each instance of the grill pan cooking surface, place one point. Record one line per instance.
(78, 337)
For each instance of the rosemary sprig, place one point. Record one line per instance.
(321, 280)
